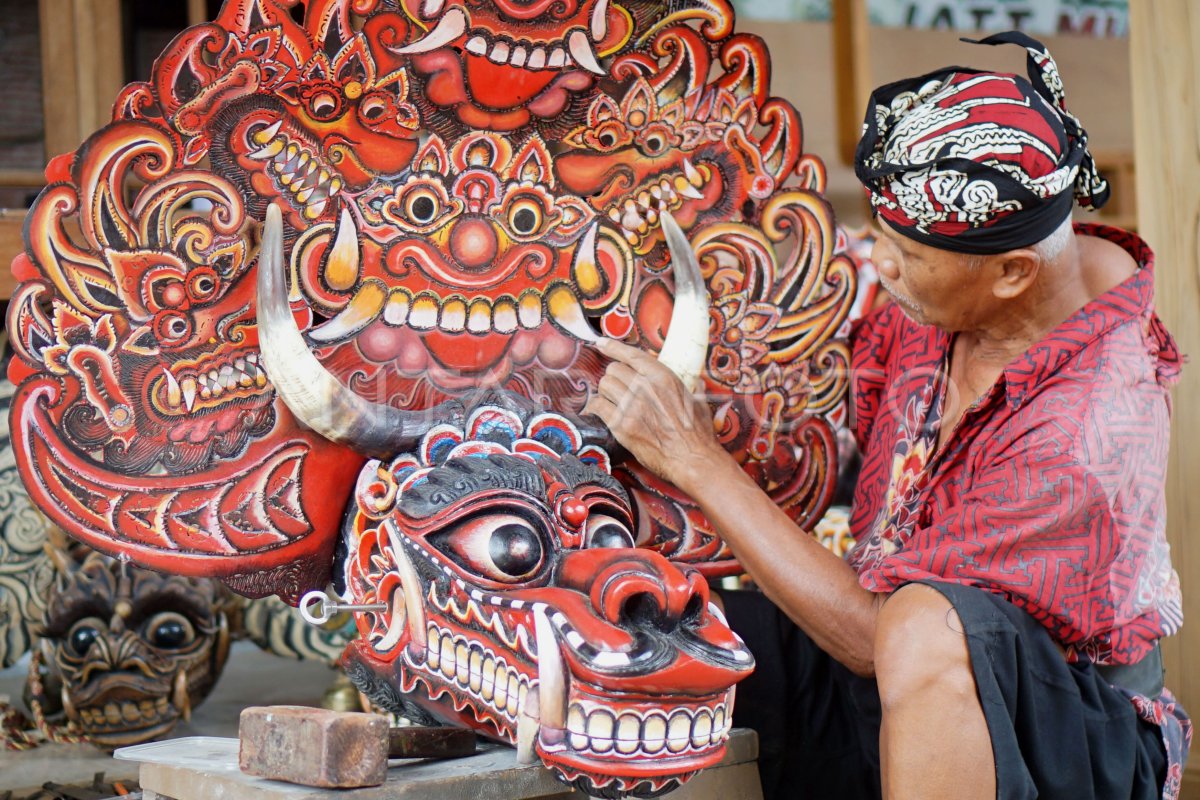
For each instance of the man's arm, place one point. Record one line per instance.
(670, 433)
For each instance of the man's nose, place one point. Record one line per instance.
(883, 256)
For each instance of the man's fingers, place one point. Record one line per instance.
(612, 387)
(602, 407)
(623, 372)
(635, 357)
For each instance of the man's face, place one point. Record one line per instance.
(932, 286)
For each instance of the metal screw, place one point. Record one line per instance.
(326, 607)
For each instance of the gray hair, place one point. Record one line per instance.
(1047, 249)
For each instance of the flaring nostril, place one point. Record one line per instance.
(642, 610)
(693, 611)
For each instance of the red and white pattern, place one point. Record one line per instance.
(1049, 492)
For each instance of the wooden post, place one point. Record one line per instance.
(851, 72)
(197, 12)
(11, 243)
(1165, 56)
(82, 68)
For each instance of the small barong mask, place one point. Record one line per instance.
(511, 600)
(129, 651)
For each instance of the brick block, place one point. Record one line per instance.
(313, 746)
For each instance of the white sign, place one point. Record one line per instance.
(1085, 17)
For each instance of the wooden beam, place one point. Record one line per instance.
(851, 72)
(1165, 60)
(20, 178)
(60, 92)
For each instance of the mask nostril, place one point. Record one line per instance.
(693, 611)
(642, 611)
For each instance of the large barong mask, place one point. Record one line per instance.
(452, 214)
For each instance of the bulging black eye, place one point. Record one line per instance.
(506, 548)
(81, 636)
(421, 206)
(515, 550)
(169, 631)
(606, 531)
(525, 221)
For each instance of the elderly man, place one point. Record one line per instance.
(995, 631)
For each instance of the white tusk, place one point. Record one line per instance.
(527, 728)
(431, 7)
(451, 26)
(412, 591)
(581, 50)
(552, 680)
(363, 309)
(179, 695)
(564, 310)
(342, 263)
(686, 347)
(68, 705)
(600, 21)
(314, 395)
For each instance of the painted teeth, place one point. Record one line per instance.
(583, 53)
(474, 669)
(636, 215)
(124, 713)
(594, 728)
(599, 26)
(189, 392)
(297, 169)
(268, 133)
(243, 373)
(500, 53)
(579, 48)
(456, 314)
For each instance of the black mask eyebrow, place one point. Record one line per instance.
(573, 473)
(462, 477)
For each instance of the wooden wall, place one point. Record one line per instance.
(1165, 52)
(1095, 71)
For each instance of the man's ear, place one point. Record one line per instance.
(1017, 270)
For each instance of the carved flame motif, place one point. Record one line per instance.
(428, 254)
(516, 604)
(464, 196)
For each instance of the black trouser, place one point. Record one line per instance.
(1058, 730)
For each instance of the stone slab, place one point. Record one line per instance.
(208, 770)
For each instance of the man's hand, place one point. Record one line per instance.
(653, 416)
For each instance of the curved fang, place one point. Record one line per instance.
(311, 392)
(583, 53)
(451, 26)
(686, 347)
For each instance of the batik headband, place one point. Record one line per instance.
(977, 162)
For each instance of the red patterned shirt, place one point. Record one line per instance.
(1050, 489)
